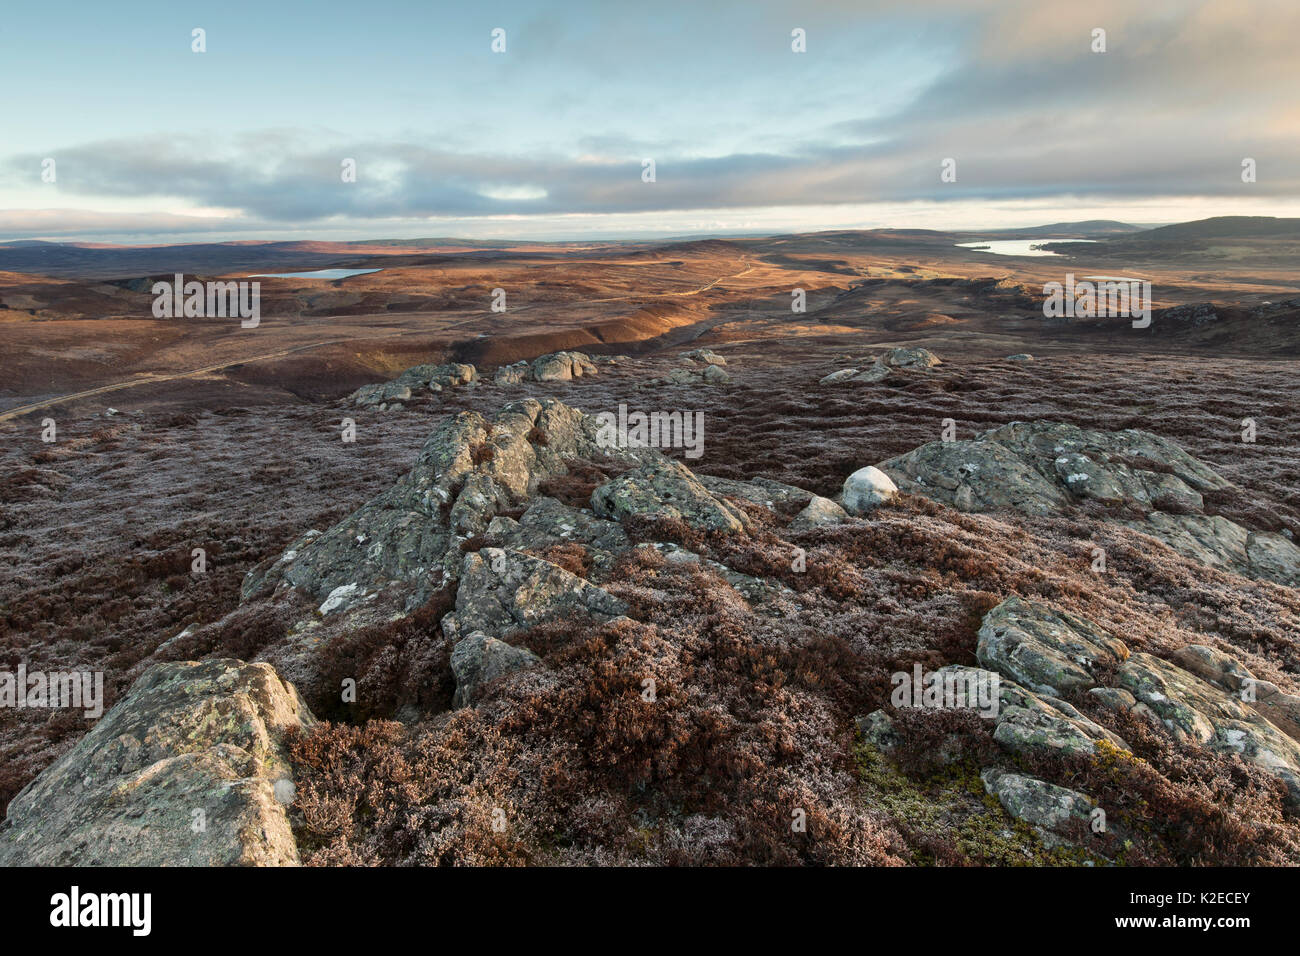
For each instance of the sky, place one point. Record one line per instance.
(150, 141)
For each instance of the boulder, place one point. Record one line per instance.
(511, 374)
(1042, 805)
(561, 366)
(1048, 651)
(478, 659)
(1195, 712)
(502, 591)
(866, 490)
(714, 375)
(188, 769)
(909, 358)
(666, 489)
(843, 375)
(706, 356)
(1020, 357)
(818, 512)
(381, 394)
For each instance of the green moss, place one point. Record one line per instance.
(952, 808)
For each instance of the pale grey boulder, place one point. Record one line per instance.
(866, 490)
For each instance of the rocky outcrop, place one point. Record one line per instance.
(502, 591)
(552, 367)
(762, 492)
(1193, 711)
(664, 488)
(467, 472)
(561, 367)
(1224, 544)
(1044, 468)
(1048, 651)
(706, 356)
(897, 358)
(417, 380)
(434, 378)
(548, 522)
(479, 659)
(186, 770)
(976, 476)
(383, 394)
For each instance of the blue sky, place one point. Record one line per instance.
(153, 142)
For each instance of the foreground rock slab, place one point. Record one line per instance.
(186, 770)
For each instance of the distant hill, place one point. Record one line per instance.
(1088, 227)
(1225, 227)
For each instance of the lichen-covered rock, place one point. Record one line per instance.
(707, 356)
(763, 492)
(1028, 722)
(469, 470)
(1020, 357)
(1196, 712)
(478, 659)
(666, 489)
(1044, 468)
(1224, 544)
(561, 366)
(715, 375)
(1213, 666)
(187, 769)
(502, 591)
(380, 394)
(843, 375)
(548, 522)
(1042, 805)
(1049, 651)
(866, 490)
(909, 358)
(818, 512)
(975, 476)
(437, 377)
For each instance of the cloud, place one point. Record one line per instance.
(1027, 110)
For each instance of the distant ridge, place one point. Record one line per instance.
(1225, 227)
(1088, 227)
